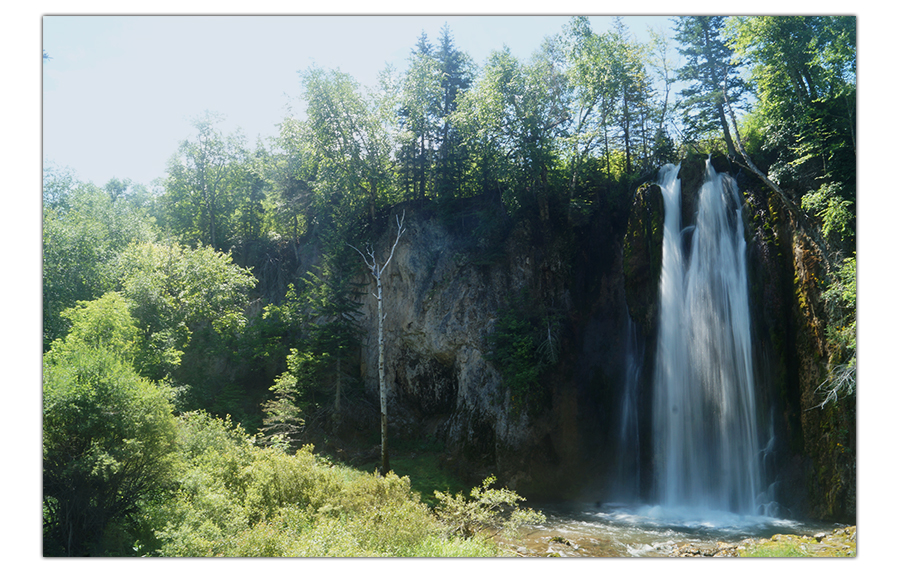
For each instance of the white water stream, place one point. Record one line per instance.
(706, 445)
(707, 458)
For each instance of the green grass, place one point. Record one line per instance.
(426, 476)
(838, 544)
(421, 462)
(775, 551)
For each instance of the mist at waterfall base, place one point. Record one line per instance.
(708, 478)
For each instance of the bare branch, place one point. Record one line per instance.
(400, 231)
(366, 262)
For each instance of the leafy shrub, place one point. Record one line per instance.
(108, 434)
(487, 509)
(237, 499)
(840, 303)
(523, 345)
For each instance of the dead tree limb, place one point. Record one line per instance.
(790, 205)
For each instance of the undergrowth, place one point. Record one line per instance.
(237, 499)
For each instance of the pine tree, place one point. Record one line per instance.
(456, 77)
(707, 61)
(283, 424)
(334, 301)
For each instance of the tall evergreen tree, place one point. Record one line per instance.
(420, 109)
(708, 58)
(334, 300)
(455, 78)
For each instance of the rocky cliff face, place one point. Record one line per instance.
(813, 464)
(442, 296)
(444, 293)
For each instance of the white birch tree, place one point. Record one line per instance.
(377, 270)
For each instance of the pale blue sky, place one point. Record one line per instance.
(120, 91)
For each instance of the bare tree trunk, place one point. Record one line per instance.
(808, 229)
(382, 386)
(377, 271)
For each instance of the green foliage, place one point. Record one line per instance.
(803, 70)
(176, 290)
(426, 472)
(104, 322)
(524, 344)
(833, 210)
(291, 172)
(283, 422)
(239, 500)
(840, 304)
(778, 551)
(108, 434)
(84, 230)
(206, 186)
(514, 112)
(486, 509)
(708, 57)
(351, 145)
(419, 113)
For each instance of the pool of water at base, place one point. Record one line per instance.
(619, 530)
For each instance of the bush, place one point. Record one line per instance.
(237, 499)
(523, 345)
(108, 435)
(488, 509)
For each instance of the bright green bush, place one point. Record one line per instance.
(487, 509)
(108, 435)
(237, 499)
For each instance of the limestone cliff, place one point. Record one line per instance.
(443, 294)
(813, 465)
(447, 285)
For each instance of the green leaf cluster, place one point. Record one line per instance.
(485, 509)
(84, 230)
(523, 345)
(840, 302)
(237, 499)
(108, 434)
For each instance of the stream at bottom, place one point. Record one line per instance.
(614, 530)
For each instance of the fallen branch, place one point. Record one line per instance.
(799, 215)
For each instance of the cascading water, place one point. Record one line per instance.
(706, 447)
(629, 454)
(707, 463)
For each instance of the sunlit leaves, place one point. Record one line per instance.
(486, 508)
(351, 143)
(203, 180)
(834, 211)
(84, 230)
(175, 290)
(108, 434)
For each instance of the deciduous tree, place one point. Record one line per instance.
(201, 181)
(108, 434)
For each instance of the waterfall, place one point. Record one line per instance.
(706, 447)
(629, 452)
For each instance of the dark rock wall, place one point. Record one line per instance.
(812, 459)
(443, 295)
